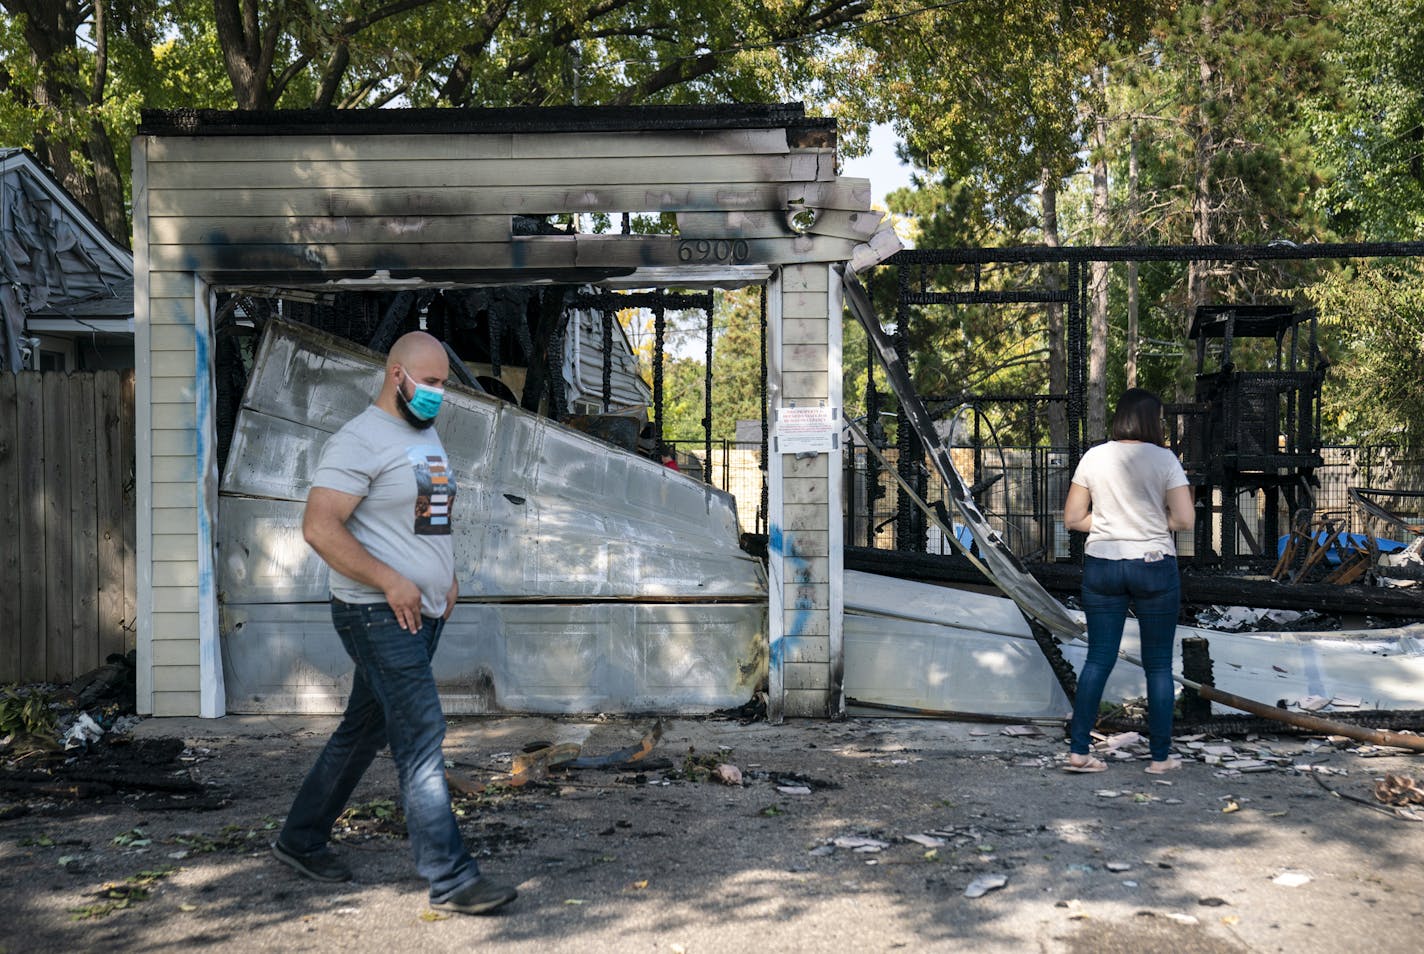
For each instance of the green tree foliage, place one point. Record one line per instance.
(1371, 135)
(1376, 384)
(958, 350)
(64, 96)
(1216, 99)
(1370, 146)
(76, 72)
(1214, 107)
(988, 91)
(736, 371)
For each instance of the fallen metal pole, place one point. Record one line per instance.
(1299, 719)
(953, 716)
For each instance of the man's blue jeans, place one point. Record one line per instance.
(393, 699)
(1154, 590)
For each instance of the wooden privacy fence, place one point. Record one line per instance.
(67, 579)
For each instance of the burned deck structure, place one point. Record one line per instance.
(1253, 425)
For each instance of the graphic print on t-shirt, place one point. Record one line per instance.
(434, 490)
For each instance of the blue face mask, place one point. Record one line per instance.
(422, 406)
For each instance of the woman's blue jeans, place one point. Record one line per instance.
(393, 700)
(1154, 591)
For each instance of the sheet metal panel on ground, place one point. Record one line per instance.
(591, 579)
(932, 647)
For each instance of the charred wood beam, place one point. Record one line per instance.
(1196, 588)
(1158, 253)
(551, 314)
(396, 313)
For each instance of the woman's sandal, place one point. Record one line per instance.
(1162, 768)
(1089, 764)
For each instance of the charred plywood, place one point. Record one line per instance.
(591, 578)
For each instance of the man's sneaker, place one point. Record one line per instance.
(482, 897)
(321, 865)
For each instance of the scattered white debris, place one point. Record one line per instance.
(1117, 865)
(727, 774)
(1020, 730)
(1180, 918)
(1291, 879)
(983, 884)
(793, 789)
(84, 731)
(926, 841)
(1121, 739)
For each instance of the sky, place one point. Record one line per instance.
(880, 166)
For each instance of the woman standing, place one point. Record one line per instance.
(1129, 494)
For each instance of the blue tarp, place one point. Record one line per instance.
(1345, 543)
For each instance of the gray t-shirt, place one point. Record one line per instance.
(1128, 483)
(408, 496)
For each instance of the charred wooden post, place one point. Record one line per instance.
(1196, 666)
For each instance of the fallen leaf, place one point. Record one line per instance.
(640, 885)
(1230, 807)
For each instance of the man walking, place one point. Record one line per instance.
(379, 514)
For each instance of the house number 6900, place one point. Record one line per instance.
(714, 250)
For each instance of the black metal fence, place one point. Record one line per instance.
(1024, 490)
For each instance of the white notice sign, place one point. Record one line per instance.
(803, 430)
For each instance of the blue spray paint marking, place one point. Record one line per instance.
(800, 571)
(202, 381)
(209, 658)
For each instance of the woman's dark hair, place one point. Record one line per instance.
(1138, 417)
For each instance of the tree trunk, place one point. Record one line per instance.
(247, 52)
(1134, 236)
(1097, 396)
(1057, 341)
(1203, 153)
(60, 91)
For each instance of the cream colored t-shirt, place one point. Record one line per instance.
(1128, 483)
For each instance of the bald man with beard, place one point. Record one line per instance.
(379, 513)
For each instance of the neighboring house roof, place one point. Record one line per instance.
(59, 269)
